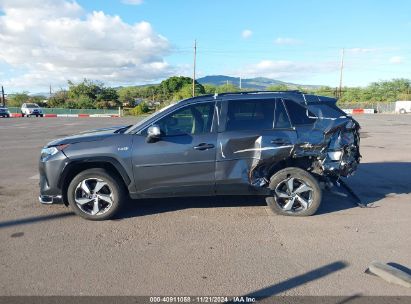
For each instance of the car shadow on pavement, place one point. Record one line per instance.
(143, 207)
(35, 219)
(296, 281)
(372, 182)
(375, 181)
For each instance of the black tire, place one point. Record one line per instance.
(402, 111)
(41, 115)
(297, 177)
(113, 186)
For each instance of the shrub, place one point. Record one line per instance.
(141, 109)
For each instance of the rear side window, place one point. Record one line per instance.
(250, 115)
(326, 110)
(298, 114)
(281, 120)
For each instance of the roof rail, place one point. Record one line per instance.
(259, 92)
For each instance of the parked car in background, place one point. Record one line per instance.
(403, 107)
(29, 109)
(4, 112)
(276, 144)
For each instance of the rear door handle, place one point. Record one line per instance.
(280, 141)
(203, 146)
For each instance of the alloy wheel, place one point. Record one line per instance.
(93, 196)
(294, 195)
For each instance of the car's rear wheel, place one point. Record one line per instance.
(402, 111)
(295, 193)
(95, 195)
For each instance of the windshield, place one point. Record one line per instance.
(151, 116)
(31, 105)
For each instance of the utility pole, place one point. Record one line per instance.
(194, 68)
(240, 84)
(3, 100)
(50, 91)
(341, 72)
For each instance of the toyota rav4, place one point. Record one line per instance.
(281, 145)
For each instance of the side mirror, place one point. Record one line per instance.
(153, 133)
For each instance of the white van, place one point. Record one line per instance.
(403, 107)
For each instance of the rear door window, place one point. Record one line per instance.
(250, 114)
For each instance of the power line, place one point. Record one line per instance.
(341, 71)
(3, 100)
(194, 67)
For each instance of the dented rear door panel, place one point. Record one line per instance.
(239, 153)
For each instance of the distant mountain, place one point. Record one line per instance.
(45, 94)
(258, 83)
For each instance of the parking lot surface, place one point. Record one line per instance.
(204, 246)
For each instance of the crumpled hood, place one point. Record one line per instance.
(90, 135)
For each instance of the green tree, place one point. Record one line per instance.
(16, 100)
(58, 99)
(176, 83)
(210, 89)
(278, 87)
(141, 109)
(227, 88)
(126, 95)
(91, 94)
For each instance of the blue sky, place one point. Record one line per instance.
(143, 41)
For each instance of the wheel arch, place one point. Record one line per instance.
(75, 167)
(305, 163)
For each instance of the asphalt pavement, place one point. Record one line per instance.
(204, 246)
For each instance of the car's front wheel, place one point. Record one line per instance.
(95, 195)
(295, 192)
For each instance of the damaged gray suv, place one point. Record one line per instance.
(281, 145)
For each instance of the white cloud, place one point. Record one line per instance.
(132, 2)
(396, 60)
(246, 34)
(55, 40)
(283, 69)
(286, 41)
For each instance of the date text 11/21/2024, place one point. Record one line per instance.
(199, 299)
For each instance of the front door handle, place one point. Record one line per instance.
(280, 141)
(203, 146)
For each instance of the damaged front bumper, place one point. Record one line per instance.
(50, 199)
